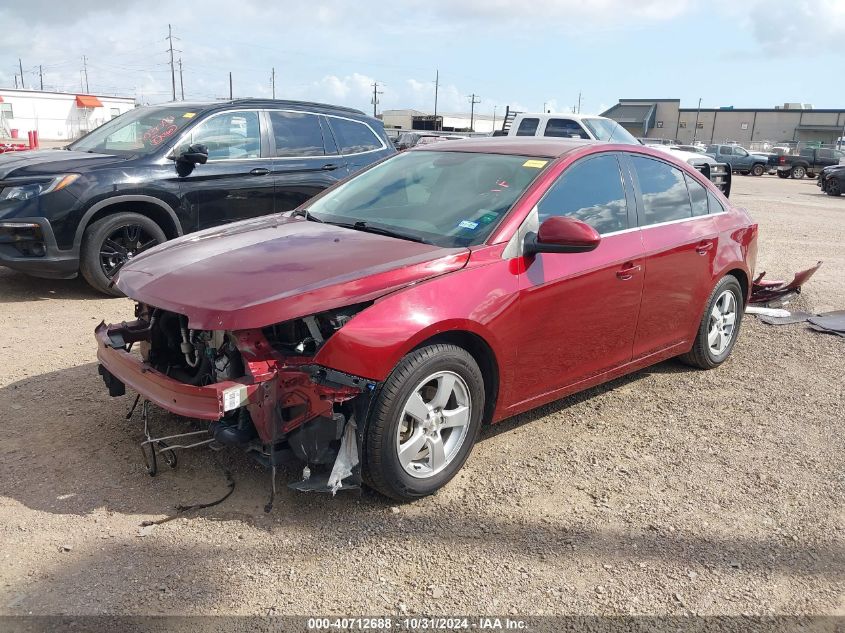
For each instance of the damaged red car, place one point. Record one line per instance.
(369, 334)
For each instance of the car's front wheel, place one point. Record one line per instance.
(110, 242)
(832, 187)
(757, 170)
(424, 422)
(719, 327)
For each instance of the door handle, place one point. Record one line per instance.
(330, 167)
(628, 272)
(704, 246)
(259, 171)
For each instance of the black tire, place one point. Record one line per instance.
(758, 170)
(832, 187)
(92, 263)
(783, 174)
(744, 173)
(701, 355)
(798, 172)
(381, 468)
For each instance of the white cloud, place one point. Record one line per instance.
(799, 26)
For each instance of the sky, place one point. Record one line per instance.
(743, 53)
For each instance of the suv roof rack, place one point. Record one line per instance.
(312, 104)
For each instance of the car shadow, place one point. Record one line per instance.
(16, 287)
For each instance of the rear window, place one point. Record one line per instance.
(297, 134)
(697, 195)
(715, 205)
(528, 127)
(566, 128)
(664, 191)
(354, 137)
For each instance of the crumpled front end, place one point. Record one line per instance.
(259, 389)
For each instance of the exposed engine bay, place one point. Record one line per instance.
(257, 389)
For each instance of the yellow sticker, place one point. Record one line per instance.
(189, 115)
(536, 164)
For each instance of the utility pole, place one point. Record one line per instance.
(85, 71)
(695, 129)
(172, 67)
(273, 81)
(181, 80)
(472, 102)
(436, 89)
(230, 85)
(41, 76)
(20, 65)
(376, 93)
(579, 102)
(494, 118)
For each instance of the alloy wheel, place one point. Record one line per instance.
(122, 244)
(434, 424)
(833, 187)
(722, 326)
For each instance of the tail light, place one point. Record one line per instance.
(782, 160)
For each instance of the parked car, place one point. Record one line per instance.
(808, 162)
(601, 128)
(158, 172)
(832, 180)
(378, 326)
(740, 159)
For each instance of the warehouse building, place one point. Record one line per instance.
(56, 116)
(418, 120)
(666, 119)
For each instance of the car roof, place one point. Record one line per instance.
(546, 147)
(262, 103)
(560, 115)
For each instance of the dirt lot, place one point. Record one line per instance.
(671, 491)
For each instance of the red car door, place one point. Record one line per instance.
(679, 252)
(578, 311)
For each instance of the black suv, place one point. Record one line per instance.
(157, 172)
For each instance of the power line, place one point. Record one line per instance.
(376, 93)
(472, 102)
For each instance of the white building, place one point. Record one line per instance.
(56, 116)
(447, 122)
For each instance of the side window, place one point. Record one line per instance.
(566, 128)
(528, 127)
(664, 192)
(740, 152)
(698, 196)
(297, 134)
(712, 149)
(715, 205)
(725, 149)
(590, 191)
(825, 153)
(229, 135)
(353, 137)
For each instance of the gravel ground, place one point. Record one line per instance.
(671, 491)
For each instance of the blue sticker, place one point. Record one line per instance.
(466, 224)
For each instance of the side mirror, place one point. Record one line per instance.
(196, 154)
(558, 234)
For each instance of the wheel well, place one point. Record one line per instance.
(742, 278)
(148, 209)
(483, 355)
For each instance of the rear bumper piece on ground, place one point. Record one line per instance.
(764, 291)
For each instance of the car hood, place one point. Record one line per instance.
(273, 269)
(49, 162)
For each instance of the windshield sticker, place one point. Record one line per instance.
(536, 164)
(487, 218)
(467, 224)
(189, 115)
(161, 132)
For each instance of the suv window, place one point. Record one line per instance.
(712, 149)
(228, 135)
(566, 128)
(825, 153)
(738, 151)
(698, 196)
(590, 191)
(353, 137)
(725, 149)
(664, 192)
(528, 127)
(297, 134)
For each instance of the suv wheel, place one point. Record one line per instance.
(783, 173)
(719, 326)
(424, 422)
(757, 170)
(832, 187)
(110, 242)
(798, 172)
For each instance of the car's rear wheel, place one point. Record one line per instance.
(757, 170)
(719, 327)
(784, 174)
(798, 172)
(833, 187)
(424, 422)
(110, 242)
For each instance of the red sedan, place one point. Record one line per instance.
(371, 333)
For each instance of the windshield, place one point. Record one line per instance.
(609, 130)
(139, 131)
(445, 198)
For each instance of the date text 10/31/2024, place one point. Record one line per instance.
(417, 624)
